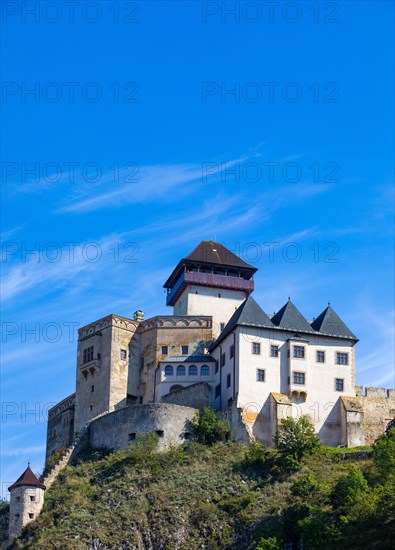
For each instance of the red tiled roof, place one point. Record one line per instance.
(27, 478)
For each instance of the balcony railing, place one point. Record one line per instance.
(210, 280)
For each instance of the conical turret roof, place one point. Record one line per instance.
(27, 479)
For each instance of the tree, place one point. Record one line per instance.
(384, 453)
(295, 439)
(348, 490)
(208, 428)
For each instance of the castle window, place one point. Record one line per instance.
(339, 384)
(92, 388)
(91, 407)
(180, 370)
(192, 371)
(216, 366)
(88, 354)
(132, 436)
(230, 401)
(168, 370)
(165, 350)
(299, 352)
(123, 354)
(223, 359)
(320, 356)
(342, 358)
(274, 350)
(18, 499)
(256, 348)
(184, 350)
(217, 390)
(232, 351)
(299, 378)
(160, 433)
(228, 381)
(16, 516)
(260, 375)
(32, 498)
(205, 370)
(219, 295)
(222, 326)
(31, 516)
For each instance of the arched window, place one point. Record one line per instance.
(180, 370)
(168, 370)
(205, 370)
(192, 370)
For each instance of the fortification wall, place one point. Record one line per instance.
(378, 406)
(60, 429)
(118, 429)
(197, 396)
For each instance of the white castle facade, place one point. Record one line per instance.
(218, 348)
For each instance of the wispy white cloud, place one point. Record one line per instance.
(37, 449)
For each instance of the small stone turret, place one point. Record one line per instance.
(138, 315)
(26, 501)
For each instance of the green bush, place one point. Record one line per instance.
(257, 453)
(208, 428)
(384, 453)
(348, 489)
(304, 486)
(295, 439)
(269, 543)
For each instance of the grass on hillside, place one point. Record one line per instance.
(223, 496)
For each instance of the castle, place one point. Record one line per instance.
(218, 348)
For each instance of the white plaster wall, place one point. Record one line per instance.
(198, 300)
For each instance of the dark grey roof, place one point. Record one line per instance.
(290, 318)
(188, 359)
(212, 254)
(328, 322)
(250, 314)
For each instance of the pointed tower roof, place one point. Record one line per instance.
(27, 479)
(328, 322)
(249, 314)
(290, 318)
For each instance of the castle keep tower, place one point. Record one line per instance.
(211, 280)
(26, 501)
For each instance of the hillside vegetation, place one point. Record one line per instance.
(222, 495)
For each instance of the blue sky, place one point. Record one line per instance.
(154, 153)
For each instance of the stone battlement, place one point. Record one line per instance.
(370, 391)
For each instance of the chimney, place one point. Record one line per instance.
(138, 315)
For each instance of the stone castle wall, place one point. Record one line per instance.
(118, 429)
(378, 405)
(60, 429)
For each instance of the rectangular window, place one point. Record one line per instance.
(260, 375)
(216, 366)
(228, 380)
(274, 351)
(223, 359)
(132, 436)
(87, 354)
(342, 358)
(123, 354)
(256, 348)
(339, 384)
(320, 356)
(160, 433)
(92, 389)
(299, 352)
(18, 499)
(230, 401)
(232, 351)
(217, 390)
(165, 350)
(184, 350)
(32, 498)
(222, 326)
(299, 378)
(31, 516)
